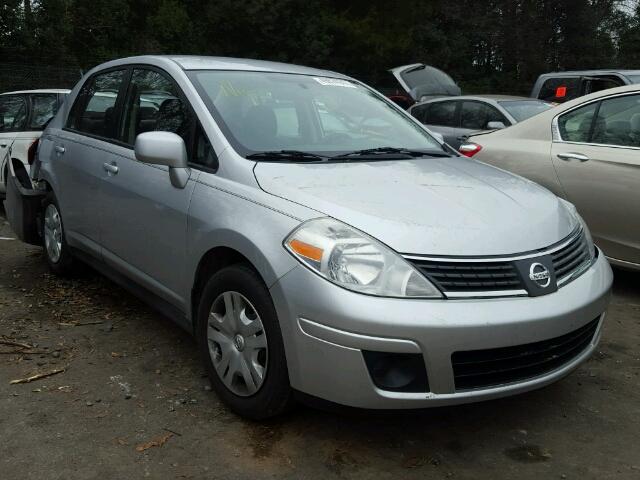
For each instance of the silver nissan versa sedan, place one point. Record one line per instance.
(314, 237)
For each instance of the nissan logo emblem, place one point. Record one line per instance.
(539, 274)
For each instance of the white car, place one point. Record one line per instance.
(23, 116)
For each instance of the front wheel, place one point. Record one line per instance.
(241, 344)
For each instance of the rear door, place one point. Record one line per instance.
(596, 154)
(13, 119)
(144, 215)
(80, 151)
(442, 117)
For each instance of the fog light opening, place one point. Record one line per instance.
(397, 372)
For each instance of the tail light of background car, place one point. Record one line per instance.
(31, 152)
(469, 149)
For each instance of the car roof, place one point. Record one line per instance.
(496, 98)
(591, 72)
(197, 62)
(41, 90)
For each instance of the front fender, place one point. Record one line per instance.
(220, 218)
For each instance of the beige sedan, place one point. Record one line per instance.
(587, 151)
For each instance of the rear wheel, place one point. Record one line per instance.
(57, 252)
(241, 344)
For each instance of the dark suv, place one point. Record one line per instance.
(560, 87)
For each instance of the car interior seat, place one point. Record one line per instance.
(172, 117)
(261, 125)
(634, 130)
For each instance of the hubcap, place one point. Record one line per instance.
(237, 343)
(52, 232)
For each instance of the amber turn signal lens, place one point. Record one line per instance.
(305, 250)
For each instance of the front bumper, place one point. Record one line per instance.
(326, 328)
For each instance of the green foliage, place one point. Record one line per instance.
(495, 45)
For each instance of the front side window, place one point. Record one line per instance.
(13, 113)
(154, 104)
(43, 108)
(478, 115)
(94, 111)
(575, 126)
(442, 114)
(263, 111)
(618, 122)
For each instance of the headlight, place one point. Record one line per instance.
(587, 233)
(355, 261)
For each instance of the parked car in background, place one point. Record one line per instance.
(417, 82)
(560, 87)
(587, 151)
(23, 116)
(313, 236)
(456, 118)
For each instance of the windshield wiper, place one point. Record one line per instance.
(292, 155)
(371, 152)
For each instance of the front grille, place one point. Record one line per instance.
(471, 276)
(570, 258)
(498, 366)
(503, 276)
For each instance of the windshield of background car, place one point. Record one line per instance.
(263, 111)
(523, 109)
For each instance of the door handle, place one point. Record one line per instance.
(3, 145)
(59, 149)
(111, 168)
(573, 156)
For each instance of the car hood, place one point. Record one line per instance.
(430, 206)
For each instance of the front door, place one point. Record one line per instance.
(144, 217)
(13, 118)
(597, 158)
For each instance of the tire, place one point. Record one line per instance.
(230, 360)
(56, 251)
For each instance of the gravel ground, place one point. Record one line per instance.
(133, 402)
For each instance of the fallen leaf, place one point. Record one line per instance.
(158, 442)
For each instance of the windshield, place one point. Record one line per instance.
(523, 109)
(262, 111)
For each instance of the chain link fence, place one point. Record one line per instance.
(26, 76)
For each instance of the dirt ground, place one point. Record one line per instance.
(133, 402)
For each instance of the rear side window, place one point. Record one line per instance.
(441, 113)
(477, 115)
(94, 111)
(43, 108)
(420, 112)
(618, 122)
(560, 89)
(13, 113)
(576, 125)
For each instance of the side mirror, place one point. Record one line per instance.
(496, 126)
(164, 148)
